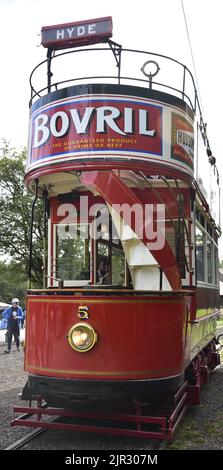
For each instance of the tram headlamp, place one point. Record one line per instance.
(82, 337)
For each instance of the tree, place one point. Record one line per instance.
(15, 213)
(13, 282)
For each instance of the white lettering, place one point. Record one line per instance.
(80, 30)
(155, 225)
(83, 210)
(70, 31)
(81, 125)
(60, 33)
(90, 461)
(64, 126)
(67, 227)
(152, 460)
(128, 120)
(131, 215)
(103, 118)
(143, 124)
(102, 219)
(91, 29)
(40, 127)
(147, 223)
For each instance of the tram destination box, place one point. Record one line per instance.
(77, 34)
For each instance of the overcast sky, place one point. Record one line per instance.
(154, 25)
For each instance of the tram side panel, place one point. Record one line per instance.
(140, 340)
(205, 313)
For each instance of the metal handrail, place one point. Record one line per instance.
(35, 93)
(112, 77)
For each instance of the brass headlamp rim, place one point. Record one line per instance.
(87, 327)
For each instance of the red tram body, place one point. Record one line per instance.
(98, 148)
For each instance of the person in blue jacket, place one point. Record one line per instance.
(13, 315)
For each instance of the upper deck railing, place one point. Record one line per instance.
(175, 77)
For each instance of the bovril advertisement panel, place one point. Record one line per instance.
(117, 127)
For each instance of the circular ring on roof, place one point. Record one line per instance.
(150, 74)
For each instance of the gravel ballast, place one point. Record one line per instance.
(13, 379)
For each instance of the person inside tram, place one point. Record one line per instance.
(103, 272)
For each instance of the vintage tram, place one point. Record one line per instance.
(130, 191)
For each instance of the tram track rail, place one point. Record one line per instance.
(23, 441)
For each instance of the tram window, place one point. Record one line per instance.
(102, 249)
(216, 266)
(200, 255)
(104, 232)
(118, 267)
(209, 229)
(103, 262)
(171, 237)
(73, 253)
(177, 244)
(110, 263)
(200, 217)
(209, 261)
(215, 238)
(103, 271)
(202, 220)
(102, 224)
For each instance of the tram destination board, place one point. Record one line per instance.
(76, 34)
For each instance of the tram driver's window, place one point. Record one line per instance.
(118, 267)
(73, 252)
(200, 255)
(103, 264)
(110, 264)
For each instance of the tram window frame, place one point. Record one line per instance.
(216, 265)
(54, 268)
(210, 264)
(110, 245)
(210, 261)
(112, 242)
(200, 270)
(177, 245)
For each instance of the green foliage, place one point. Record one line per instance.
(15, 212)
(13, 282)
